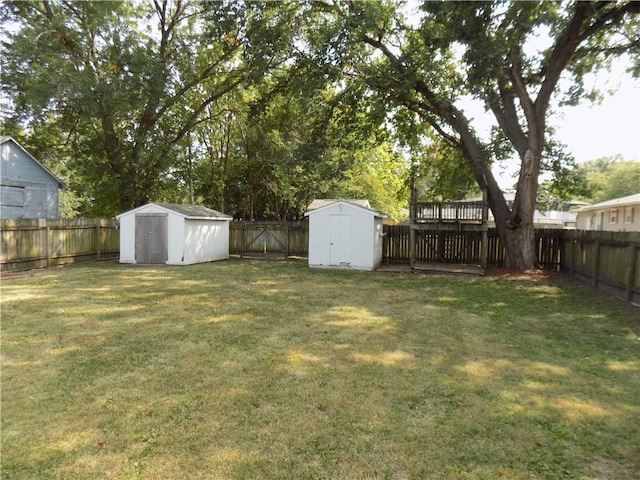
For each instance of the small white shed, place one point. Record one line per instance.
(344, 234)
(173, 234)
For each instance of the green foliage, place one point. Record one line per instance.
(379, 175)
(607, 178)
(128, 81)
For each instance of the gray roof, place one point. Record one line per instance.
(194, 211)
(319, 204)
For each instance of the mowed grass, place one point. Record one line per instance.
(271, 370)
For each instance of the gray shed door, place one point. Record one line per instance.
(340, 248)
(151, 238)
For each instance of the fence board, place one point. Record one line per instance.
(463, 247)
(608, 260)
(32, 243)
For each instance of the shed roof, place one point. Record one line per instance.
(4, 139)
(187, 211)
(321, 204)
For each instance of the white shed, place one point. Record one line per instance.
(344, 234)
(173, 234)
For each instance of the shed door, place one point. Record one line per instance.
(340, 234)
(151, 238)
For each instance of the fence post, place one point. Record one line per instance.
(286, 240)
(631, 271)
(412, 246)
(572, 253)
(43, 227)
(98, 239)
(242, 238)
(596, 263)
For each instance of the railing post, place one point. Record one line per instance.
(413, 205)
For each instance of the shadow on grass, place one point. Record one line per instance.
(249, 369)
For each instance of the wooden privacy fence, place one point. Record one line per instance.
(39, 243)
(463, 247)
(269, 238)
(610, 261)
(292, 239)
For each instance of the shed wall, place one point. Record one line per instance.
(205, 241)
(366, 237)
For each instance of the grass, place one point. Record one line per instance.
(271, 370)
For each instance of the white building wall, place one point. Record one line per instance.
(377, 241)
(366, 237)
(128, 238)
(205, 241)
(175, 232)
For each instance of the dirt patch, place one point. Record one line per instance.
(527, 274)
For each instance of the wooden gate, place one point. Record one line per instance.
(151, 238)
(265, 239)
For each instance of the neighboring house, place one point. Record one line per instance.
(27, 188)
(344, 234)
(173, 234)
(617, 215)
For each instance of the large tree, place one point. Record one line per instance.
(129, 80)
(486, 50)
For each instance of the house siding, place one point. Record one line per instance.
(621, 217)
(27, 189)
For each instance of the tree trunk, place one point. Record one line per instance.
(519, 234)
(520, 251)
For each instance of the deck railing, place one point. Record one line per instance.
(445, 212)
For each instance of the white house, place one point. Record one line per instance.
(344, 234)
(173, 234)
(617, 215)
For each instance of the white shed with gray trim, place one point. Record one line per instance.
(344, 234)
(172, 234)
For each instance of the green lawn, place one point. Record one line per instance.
(271, 370)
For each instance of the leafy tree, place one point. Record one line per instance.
(128, 81)
(607, 178)
(484, 49)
